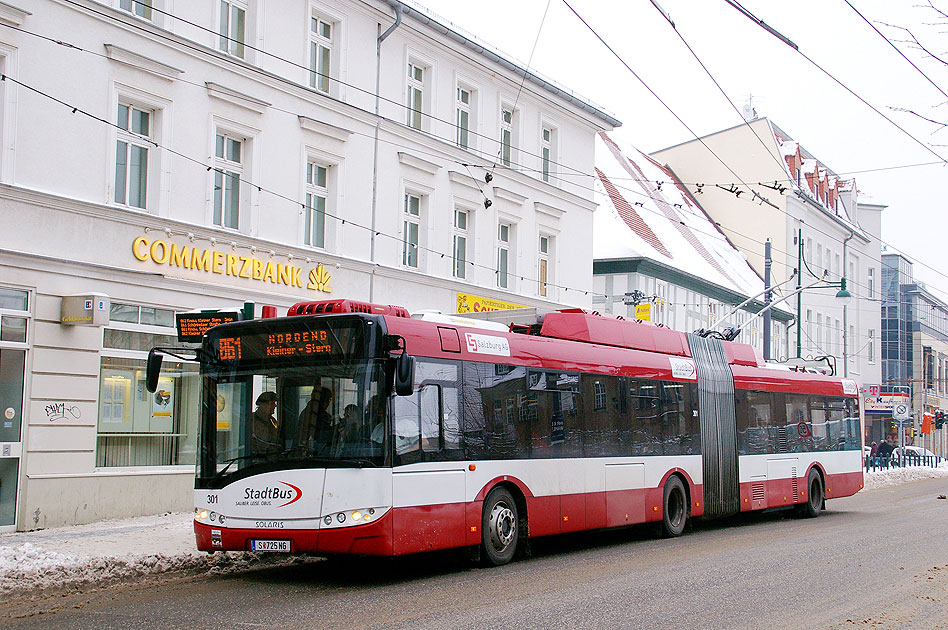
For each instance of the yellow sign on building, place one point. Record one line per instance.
(643, 311)
(468, 303)
(210, 261)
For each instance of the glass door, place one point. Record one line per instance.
(12, 363)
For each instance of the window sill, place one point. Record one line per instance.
(127, 471)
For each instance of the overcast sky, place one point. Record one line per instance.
(843, 133)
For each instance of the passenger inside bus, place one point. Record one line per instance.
(264, 427)
(315, 421)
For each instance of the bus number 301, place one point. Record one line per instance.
(212, 498)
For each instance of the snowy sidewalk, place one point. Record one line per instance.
(133, 547)
(113, 550)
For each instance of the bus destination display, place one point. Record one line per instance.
(288, 344)
(294, 344)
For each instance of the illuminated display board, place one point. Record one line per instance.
(288, 344)
(300, 339)
(192, 326)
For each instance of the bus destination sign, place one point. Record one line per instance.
(303, 343)
(295, 344)
(192, 326)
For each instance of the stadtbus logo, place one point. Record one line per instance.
(269, 494)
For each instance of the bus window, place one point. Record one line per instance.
(427, 423)
(602, 417)
(646, 423)
(798, 428)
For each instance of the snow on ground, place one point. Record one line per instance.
(113, 550)
(122, 549)
(895, 476)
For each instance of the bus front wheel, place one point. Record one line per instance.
(675, 508)
(499, 527)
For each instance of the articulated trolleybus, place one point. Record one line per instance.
(353, 428)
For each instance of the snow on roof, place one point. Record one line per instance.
(809, 165)
(788, 148)
(642, 214)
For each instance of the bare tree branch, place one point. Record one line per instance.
(940, 124)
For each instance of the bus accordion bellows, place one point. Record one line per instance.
(353, 428)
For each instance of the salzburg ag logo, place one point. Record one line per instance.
(291, 494)
(319, 280)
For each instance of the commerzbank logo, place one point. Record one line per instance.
(319, 280)
(272, 494)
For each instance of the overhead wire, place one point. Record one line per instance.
(699, 139)
(398, 238)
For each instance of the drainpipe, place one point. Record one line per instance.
(845, 318)
(375, 147)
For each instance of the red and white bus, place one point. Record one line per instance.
(352, 428)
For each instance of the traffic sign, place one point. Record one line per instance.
(901, 411)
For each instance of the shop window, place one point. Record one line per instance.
(136, 427)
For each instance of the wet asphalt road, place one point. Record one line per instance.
(879, 559)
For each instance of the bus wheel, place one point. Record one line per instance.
(675, 508)
(499, 527)
(814, 504)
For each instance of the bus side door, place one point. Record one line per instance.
(429, 480)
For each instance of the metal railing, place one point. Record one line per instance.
(905, 460)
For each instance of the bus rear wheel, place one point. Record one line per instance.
(814, 503)
(499, 527)
(674, 508)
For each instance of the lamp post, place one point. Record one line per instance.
(843, 292)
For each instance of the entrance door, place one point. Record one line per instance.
(12, 363)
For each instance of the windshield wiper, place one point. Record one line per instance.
(230, 462)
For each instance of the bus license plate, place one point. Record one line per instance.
(270, 545)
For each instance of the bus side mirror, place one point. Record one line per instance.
(152, 370)
(404, 374)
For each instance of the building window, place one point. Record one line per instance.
(809, 326)
(459, 257)
(506, 134)
(871, 283)
(135, 427)
(227, 169)
(543, 265)
(233, 27)
(317, 190)
(503, 255)
(13, 315)
(141, 8)
(411, 224)
(131, 155)
(546, 152)
(416, 93)
(321, 33)
(463, 118)
(871, 346)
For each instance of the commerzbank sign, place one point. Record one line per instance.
(212, 261)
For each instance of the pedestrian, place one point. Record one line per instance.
(884, 452)
(873, 449)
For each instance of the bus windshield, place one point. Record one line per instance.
(307, 396)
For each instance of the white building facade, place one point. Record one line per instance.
(758, 184)
(660, 257)
(180, 155)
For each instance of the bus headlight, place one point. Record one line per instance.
(200, 514)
